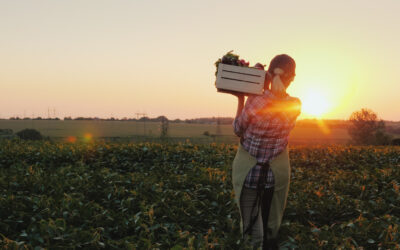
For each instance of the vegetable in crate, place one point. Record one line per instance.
(243, 63)
(259, 66)
(231, 59)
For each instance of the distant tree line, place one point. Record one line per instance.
(35, 118)
(211, 120)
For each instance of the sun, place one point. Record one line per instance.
(315, 103)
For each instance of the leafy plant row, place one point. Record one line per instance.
(149, 196)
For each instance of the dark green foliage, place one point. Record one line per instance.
(6, 131)
(381, 138)
(147, 196)
(120, 196)
(29, 134)
(164, 127)
(6, 134)
(366, 129)
(396, 142)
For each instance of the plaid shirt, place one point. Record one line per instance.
(264, 126)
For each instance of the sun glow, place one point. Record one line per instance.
(315, 103)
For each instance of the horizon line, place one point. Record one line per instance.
(148, 117)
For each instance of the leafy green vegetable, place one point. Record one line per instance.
(179, 196)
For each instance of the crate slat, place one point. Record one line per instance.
(241, 79)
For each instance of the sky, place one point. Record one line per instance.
(117, 58)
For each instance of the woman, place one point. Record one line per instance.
(261, 169)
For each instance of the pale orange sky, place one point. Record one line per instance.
(103, 58)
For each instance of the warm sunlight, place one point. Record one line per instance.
(327, 82)
(315, 103)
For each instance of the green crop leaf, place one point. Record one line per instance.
(179, 196)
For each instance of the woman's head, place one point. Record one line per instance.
(286, 64)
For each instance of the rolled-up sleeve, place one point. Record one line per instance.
(240, 124)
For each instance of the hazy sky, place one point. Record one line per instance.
(103, 58)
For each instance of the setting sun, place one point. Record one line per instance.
(315, 103)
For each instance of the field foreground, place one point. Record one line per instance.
(146, 196)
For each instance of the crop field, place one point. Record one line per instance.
(150, 131)
(179, 196)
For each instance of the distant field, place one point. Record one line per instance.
(124, 130)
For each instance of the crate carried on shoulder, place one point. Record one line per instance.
(246, 80)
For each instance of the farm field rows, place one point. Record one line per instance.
(137, 131)
(160, 196)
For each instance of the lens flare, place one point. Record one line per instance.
(88, 137)
(324, 127)
(71, 139)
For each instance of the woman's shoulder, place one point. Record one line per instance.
(266, 95)
(254, 97)
(293, 99)
(270, 97)
(259, 99)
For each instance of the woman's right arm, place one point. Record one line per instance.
(240, 105)
(240, 122)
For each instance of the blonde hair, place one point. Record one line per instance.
(277, 86)
(280, 67)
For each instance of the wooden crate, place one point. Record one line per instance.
(240, 79)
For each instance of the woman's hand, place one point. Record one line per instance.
(238, 95)
(235, 93)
